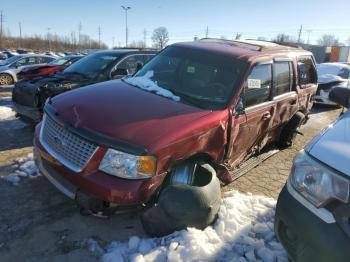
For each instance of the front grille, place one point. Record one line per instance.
(71, 150)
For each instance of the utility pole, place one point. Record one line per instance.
(300, 32)
(113, 38)
(207, 32)
(308, 35)
(48, 38)
(20, 34)
(145, 37)
(126, 8)
(80, 27)
(1, 26)
(99, 37)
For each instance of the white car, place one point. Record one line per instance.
(313, 210)
(11, 66)
(331, 75)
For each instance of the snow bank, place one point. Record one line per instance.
(6, 112)
(331, 72)
(145, 82)
(242, 232)
(24, 167)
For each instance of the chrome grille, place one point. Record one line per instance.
(72, 151)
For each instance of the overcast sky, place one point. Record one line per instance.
(183, 18)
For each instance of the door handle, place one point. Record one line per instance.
(266, 116)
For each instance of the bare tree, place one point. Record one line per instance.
(328, 40)
(284, 38)
(160, 37)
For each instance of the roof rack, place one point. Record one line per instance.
(251, 44)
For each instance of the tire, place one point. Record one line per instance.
(181, 205)
(6, 79)
(289, 131)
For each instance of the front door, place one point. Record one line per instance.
(254, 114)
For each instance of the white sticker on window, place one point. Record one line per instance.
(254, 83)
(191, 69)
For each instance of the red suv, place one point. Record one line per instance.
(212, 101)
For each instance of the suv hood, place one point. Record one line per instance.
(124, 112)
(333, 146)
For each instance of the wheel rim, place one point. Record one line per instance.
(5, 79)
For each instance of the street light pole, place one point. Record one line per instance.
(126, 8)
(48, 37)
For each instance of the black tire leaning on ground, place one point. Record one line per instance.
(181, 205)
(6, 79)
(289, 131)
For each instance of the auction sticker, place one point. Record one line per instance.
(254, 83)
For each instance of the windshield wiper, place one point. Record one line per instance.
(189, 99)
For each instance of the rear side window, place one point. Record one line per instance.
(307, 71)
(258, 85)
(282, 78)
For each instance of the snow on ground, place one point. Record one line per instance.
(24, 167)
(6, 111)
(145, 82)
(242, 232)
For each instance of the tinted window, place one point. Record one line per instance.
(22, 61)
(93, 64)
(258, 85)
(198, 77)
(307, 71)
(282, 78)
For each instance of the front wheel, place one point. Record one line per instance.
(192, 199)
(6, 79)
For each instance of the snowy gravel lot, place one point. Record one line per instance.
(40, 224)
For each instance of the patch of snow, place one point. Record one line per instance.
(242, 232)
(24, 167)
(145, 82)
(6, 112)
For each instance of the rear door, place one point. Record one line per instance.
(253, 112)
(283, 93)
(307, 82)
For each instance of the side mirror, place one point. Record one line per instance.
(119, 73)
(239, 108)
(341, 96)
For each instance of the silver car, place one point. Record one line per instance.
(11, 66)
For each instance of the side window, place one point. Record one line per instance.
(22, 62)
(307, 71)
(282, 78)
(32, 60)
(258, 85)
(130, 64)
(146, 58)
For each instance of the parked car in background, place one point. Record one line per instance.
(313, 210)
(11, 66)
(29, 96)
(3, 56)
(212, 102)
(331, 75)
(54, 66)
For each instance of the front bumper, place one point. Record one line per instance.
(305, 236)
(92, 182)
(32, 113)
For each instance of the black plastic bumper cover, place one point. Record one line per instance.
(309, 238)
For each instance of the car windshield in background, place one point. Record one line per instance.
(92, 65)
(59, 61)
(197, 77)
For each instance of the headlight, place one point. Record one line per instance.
(128, 166)
(316, 182)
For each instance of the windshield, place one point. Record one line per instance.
(10, 60)
(203, 79)
(59, 61)
(92, 65)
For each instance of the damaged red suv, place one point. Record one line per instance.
(117, 143)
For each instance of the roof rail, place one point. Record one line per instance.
(252, 44)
